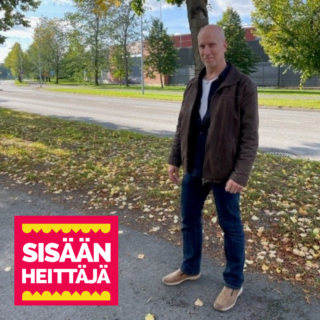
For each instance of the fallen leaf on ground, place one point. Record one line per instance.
(154, 229)
(140, 256)
(149, 316)
(7, 269)
(198, 303)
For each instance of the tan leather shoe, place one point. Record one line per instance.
(227, 299)
(177, 277)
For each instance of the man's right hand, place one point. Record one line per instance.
(173, 172)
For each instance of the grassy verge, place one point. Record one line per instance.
(115, 171)
(288, 102)
(124, 93)
(175, 94)
(18, 83)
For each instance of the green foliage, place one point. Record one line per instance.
(125, 32)
(138, 5)
(117, 63)
(13, 14)
(93, 33)
(51, 43)
(290, 33)
(238, 53)
(76, 60)
(162, 56)
(14, 61)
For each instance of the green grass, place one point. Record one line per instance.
(290, 91)
(110, 170)
(125, 93)
(18, 83)
(289, 102)
(282, 97)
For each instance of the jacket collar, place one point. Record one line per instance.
(229, 76)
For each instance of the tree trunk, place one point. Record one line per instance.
(126, 67)
(57, 76)
(161, 81)
(198, 18)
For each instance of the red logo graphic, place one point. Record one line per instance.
(66, 260)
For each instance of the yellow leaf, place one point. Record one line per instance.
(214, 220)
(140, 256)
(264, 267)
(198, 303)
(149, 316)
(293, 219)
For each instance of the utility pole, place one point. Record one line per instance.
(142, 73)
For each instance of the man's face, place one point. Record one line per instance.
(212, 47)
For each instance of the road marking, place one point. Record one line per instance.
(284, 121)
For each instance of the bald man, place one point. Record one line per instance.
(216, 143)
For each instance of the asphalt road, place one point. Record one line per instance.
(140, 288)
(293, 132)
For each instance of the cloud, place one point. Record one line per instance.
(154, 5)
(243, 7)
(60, 2)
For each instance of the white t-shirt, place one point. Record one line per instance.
(206, 85)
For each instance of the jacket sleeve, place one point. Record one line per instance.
(175, 156)
(249, 136)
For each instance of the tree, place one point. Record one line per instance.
(124, 34)
(14, 61)
(12, 14)
(52, 40)
(238, 52)
(77, 57)
(290, 33)
(93, 29)
(197, 17)
(162, 55)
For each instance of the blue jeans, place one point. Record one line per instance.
(193, 196)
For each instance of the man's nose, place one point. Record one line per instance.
(206, 50)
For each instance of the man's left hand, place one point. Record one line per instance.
(233, 187)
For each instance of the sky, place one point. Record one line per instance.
(174, 18)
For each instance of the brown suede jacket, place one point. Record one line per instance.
(232, 140)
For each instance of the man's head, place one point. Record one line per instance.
(212, 47)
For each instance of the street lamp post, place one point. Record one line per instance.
(142, 73)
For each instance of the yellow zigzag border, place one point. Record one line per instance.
(65, 227)
(66, 296)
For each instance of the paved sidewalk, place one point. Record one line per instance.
(140, 289)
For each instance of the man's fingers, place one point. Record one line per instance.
(233, 187)
(173, 174)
